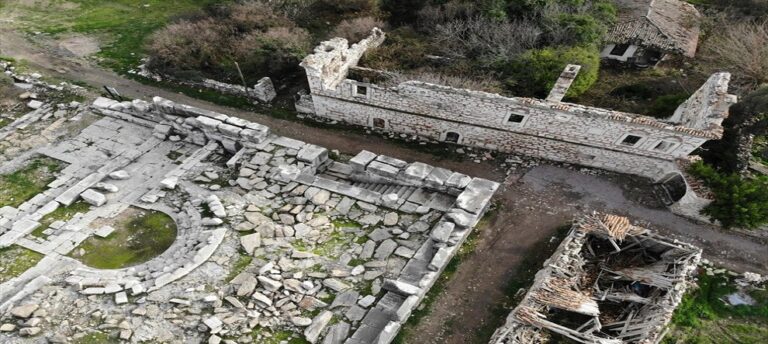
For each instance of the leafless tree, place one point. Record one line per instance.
(741, 47)
(486, 38)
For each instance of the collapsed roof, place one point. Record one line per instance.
(665, 25)
(608, 282)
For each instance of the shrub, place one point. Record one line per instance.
(357, 29)
(190, 44)
(665, 106)
(403, 50)
(535, 72)
(262, 40)
(739, 202)
(748, 117)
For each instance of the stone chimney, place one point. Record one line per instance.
(563, 83)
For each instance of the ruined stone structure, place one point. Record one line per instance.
(545, 128)
(618, 283)
(338, 252)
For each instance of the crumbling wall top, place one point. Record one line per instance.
(331, 60)
(708, 106)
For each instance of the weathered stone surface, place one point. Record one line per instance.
(312, 333)
(250, 242)
(94, 198)
(24, 311)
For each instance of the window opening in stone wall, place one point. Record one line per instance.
(379, 123)
(513, 118)
(631, 140)
(452, 137)
(664, 146)
(619, 49)
(361, 90)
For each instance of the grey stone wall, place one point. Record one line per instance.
(543, 128)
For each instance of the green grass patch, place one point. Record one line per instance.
(60, 214)
(123, 25)
(346, 223)
(136, 239)
(243, 261)
(96, 338)
(265, 336)
(18, 187)
(334, 246)
(704, 318)
(14, 260)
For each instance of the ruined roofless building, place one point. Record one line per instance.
(545, 128)
(609, 282)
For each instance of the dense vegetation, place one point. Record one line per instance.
(523, 44)
(739, 201)
(704, 318)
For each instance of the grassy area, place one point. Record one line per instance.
(96, 338)
(703, 317)
(265, 336)
(122, 25)
(18, 187)
(14, 260)
(60, 214)
(137, 238)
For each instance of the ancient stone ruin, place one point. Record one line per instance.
(545, 128)
(609, 281)
(336, 251)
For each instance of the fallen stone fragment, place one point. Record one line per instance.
(93, 198)
(119, 175)
(312, 333)
(250, 242)
(24, 311)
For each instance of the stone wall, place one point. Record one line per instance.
(612, 140)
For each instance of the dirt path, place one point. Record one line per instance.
(535, 205)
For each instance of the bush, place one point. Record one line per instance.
(535, 72)
(665, 106)
(748, 117)
(739, 202)
(357, 29)
(403, 50)
(261, 40)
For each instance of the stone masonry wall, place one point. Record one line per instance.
(543, 128)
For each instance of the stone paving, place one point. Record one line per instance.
(274, 236)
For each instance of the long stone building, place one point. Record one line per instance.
(546, 128)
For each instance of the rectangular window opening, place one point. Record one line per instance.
(361, 90)
(631, 140)
(664, 146)
(514, 118)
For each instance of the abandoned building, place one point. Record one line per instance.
(608, 282)
(545, 128)
(648, 30)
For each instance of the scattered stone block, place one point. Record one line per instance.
(93, 198)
